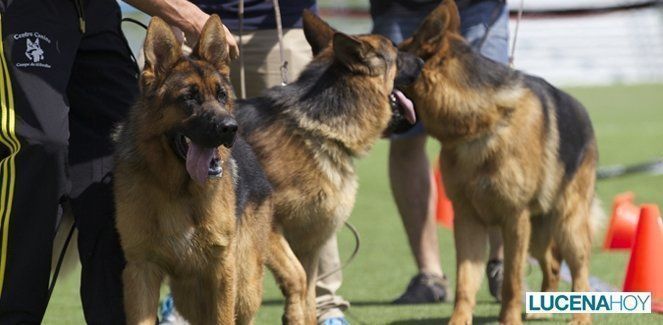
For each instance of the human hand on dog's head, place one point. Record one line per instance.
(186, 17)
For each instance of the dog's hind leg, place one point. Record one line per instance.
(573, 239)
(142, 281)
(516, 234)
(573, 232)
(543, 249)
(291, 279)
(471, 238)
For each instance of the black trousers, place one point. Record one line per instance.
(62, 91)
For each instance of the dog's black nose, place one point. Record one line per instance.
(226, 129)
(227, 126)
(409, 66)
(211, 129)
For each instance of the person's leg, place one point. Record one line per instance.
(328, 304)
(485, 26)
(103, 86)
(38, 45)
(414, 193)
(410, 176)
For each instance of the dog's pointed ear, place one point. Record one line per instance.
(212, 45)
(318, 33)
(161, 49)
(450, 16)
(356, 55)
(442, 20)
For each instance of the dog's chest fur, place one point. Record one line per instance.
(180, 235)
(189, 243)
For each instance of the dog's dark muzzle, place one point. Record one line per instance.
(409, 67)
(207, 130)
(197, 142)
(211, 130)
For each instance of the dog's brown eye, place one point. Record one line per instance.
(191, 95)
(221, 95)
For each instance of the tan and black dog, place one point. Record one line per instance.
(189, 207)
(307, 134)
(517, 153)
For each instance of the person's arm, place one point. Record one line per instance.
(183, 15)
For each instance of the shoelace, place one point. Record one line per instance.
(496, 271)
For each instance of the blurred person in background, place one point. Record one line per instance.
(67, 78)
(484, 24)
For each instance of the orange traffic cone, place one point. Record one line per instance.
(624, 220)
(645, 267)
(444, 213)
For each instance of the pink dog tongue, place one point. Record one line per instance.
(198, 160)
(407, 105)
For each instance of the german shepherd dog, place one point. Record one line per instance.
(516, 152)
(308, 133)
(189, 207)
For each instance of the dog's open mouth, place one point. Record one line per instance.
(403, 104)
(403, 115)
(201, 163)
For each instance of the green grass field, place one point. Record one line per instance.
(628, 121)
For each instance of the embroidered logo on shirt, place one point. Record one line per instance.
(35, 49)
